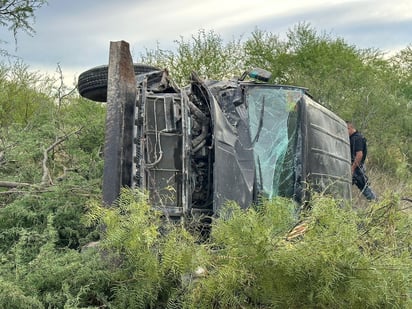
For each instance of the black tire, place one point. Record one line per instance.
(92, 83)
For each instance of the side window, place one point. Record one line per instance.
(273, 123)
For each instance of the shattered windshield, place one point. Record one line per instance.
(273, 123)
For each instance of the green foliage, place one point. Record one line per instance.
(255, 266)
(388, 225)
(74, 171)
(19, 14)
(152, 254)
(27, 217)
(13, 297)
(69, 279)
(46, 277)
(41, 225)
(82, 152)
(205, 54)
(344, 260)
(402, 64)
(239, 252)
(31, 123)
(266, 50)
(20, 99)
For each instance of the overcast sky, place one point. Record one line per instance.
(76, 34)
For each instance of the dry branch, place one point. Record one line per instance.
(46, 178)
(12, 184)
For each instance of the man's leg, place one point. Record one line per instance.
(368, 193)
(361, 181)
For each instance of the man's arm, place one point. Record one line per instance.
(357, 160)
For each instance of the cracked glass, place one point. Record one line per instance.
(273, 127)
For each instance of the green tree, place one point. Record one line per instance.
(402, 63)
(205, 53)
(20, 98)
(359, 85)
(266, 50)
(19, 14)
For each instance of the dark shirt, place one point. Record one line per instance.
(357, 143)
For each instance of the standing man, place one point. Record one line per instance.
(358, 156)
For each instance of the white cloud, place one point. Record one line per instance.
(77, 33)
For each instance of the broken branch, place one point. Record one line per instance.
(46, 178)
(12, 184)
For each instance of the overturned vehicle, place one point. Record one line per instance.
(197, 147)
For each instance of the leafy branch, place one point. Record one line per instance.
(19, 14)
